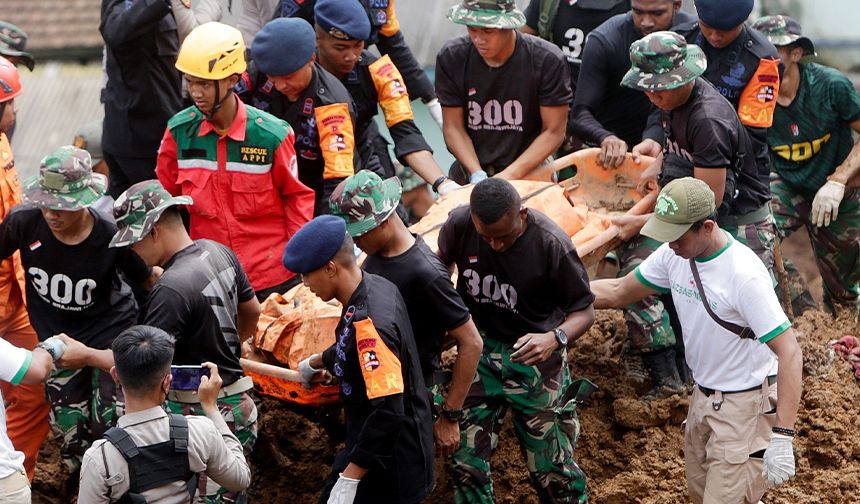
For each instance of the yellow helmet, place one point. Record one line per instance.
(212, 51)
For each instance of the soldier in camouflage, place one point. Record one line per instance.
(203, 299)
(501, 14)
(527, 290)
(816, 162)
(73, 289)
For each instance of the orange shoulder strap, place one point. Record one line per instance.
(393, 97)
(379, 366)
(337, 140)
(392, 25)
(758, 99)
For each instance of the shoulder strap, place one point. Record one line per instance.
(179, 436)
(742, 332)
(548, 11)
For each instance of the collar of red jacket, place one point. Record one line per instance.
(236, 131)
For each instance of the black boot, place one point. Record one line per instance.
(665, 380)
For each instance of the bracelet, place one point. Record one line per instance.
(438, 182)
(782, 430)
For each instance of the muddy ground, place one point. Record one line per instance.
(631, 451)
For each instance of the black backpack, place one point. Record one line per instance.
(155, 465)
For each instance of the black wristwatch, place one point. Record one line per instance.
(438, 182)
(561, 337)
(453, 415)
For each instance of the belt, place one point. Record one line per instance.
(751, 217)
(243, 384)
(709, 392)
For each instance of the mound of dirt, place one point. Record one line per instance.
(631, 451)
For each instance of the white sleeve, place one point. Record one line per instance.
(654, 270)
(759, 307)
(14, 362)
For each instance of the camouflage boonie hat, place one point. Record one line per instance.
(782, 31)
(139, 208)
(662, 61)
(502, 14)
(65, 181)
(13, 40)
(365, 201)
(680, 204)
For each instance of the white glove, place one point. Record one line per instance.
(825, 206)
(448, 186)
(779, 459)
(307, 371)
(435, 110)
(477, 177)
(343, 491)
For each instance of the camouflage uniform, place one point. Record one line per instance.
(809, 139)
(546, 429)
(501, 14)
(240, 413)
(85, 403)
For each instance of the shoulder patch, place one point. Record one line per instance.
(391, 91)
(380, 368)
(189, 115)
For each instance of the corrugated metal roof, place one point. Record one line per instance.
(57, 100)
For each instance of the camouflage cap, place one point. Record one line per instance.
(65, 181)
(662, 61)
(680, 204)
(782, 31)
(502, 14)
(13, 40)
(139, 208)
(365, 201)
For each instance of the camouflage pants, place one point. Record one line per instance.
(648, 324)
(836, 247)
(240, 413)
(547, 430)
(759, 237)
(85, 403)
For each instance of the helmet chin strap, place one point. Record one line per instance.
(219, 102)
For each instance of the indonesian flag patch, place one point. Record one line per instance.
(36, 244)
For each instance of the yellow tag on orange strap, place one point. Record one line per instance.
(393, 97)
(379, 366)
(337, 140)
(392, 25)
(758, 99)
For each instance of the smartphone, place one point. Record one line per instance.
(187, 377)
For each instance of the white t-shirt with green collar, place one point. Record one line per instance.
(740, 290)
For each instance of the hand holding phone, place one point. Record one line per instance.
(188, 377)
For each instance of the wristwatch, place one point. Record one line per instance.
(453, 415)
(54, 346)
(561, 337)
(438, 182)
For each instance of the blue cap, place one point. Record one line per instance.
(724, 14)
(283, 46)
(343, 19)
(314, 244)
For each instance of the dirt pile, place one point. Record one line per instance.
(632, 451)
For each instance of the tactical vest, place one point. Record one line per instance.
(155, 465)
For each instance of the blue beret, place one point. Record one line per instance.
(283, 46)
(724, 14)
(343, 19)
(314, 244)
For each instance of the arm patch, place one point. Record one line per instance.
(758, 99)
(379, 366)
(393, 97)
(337, 140)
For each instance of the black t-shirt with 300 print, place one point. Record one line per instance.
(502, 105)
(531, 287)
(73, 289)
(573, 22)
